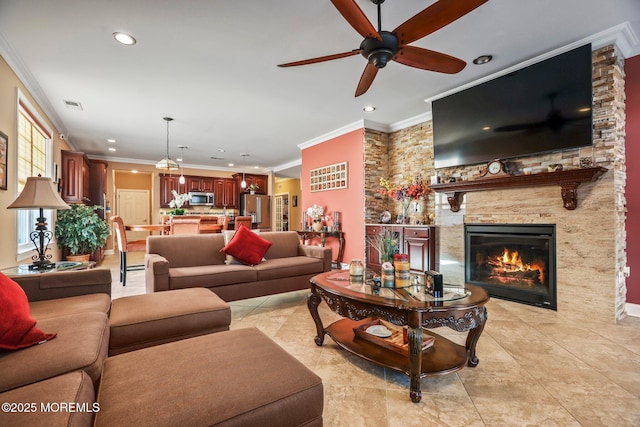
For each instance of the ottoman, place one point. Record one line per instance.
(233, 378)
(142, 321)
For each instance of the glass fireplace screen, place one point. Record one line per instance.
(512, 261)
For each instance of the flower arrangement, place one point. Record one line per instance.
(316, 213)
(412, 190)
(177, 202)
(253, 187)
(386, 244)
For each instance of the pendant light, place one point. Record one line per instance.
(166, 163)
(243, 184)
(181, 180)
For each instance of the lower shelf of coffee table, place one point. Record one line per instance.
(443, 357)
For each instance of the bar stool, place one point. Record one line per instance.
(125, 246)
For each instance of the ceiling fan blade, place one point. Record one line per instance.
(356, 18)
(366, 79)
(433, 18)
(321, 58)
(431, 60)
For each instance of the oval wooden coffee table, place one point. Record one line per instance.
(461, 309)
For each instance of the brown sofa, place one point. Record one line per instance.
(176, 262)
(228, 377)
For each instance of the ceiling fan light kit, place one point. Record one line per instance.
(379, 47)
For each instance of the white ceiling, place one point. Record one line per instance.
(211, 65)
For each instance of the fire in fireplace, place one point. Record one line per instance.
(513, 261)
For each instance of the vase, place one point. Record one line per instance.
(405, 210)
(317, 226)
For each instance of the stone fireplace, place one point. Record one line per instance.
(513, 261)
(590, 240)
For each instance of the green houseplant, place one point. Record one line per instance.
(80, 229)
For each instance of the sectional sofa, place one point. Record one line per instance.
(160, 359)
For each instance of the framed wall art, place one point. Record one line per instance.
(4, 146)
(331, 177)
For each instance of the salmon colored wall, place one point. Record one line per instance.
(348, 201)
(632, 146)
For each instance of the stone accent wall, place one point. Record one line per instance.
(397, 157)
(376, 166)
(590, 240)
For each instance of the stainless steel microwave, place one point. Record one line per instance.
(199, 198)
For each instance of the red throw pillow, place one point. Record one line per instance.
(17, 327)
(247, 247)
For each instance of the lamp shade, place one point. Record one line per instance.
(38, 192)
(167, 164)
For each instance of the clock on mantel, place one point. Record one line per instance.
(495, 168)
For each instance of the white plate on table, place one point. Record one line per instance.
(379, 331)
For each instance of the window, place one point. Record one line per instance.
(34, 157)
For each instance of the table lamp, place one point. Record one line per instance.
(39, 193)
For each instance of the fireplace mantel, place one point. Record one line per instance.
(568, 180)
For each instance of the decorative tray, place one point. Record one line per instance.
(395, 341)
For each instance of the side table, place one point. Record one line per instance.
(23, 269)
(305, 236)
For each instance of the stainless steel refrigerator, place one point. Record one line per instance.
(258, 207)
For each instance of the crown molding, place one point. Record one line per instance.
(411, 121)
(186, 165)
(333, 134)
(284, 166)
(31, 85)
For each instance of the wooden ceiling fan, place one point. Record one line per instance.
(379, 47)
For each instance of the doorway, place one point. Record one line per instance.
(133, 207)
(282, 211)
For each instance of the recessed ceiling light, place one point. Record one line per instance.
(231, 165)
(112, 149)
(221, 150)
(124, 38)
(111, 140)
(369, 108)
(482, 59)
(486, 128)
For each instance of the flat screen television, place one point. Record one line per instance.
(541, 108)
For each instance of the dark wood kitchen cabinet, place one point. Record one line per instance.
(84, 181)
(200, 183)
(262, 181)
(76, 185)
(225, 193)
(167, 184)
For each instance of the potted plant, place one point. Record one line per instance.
(253, 188)
(80, 230)
(177, 202)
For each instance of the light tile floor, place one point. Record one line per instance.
(536, 368)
